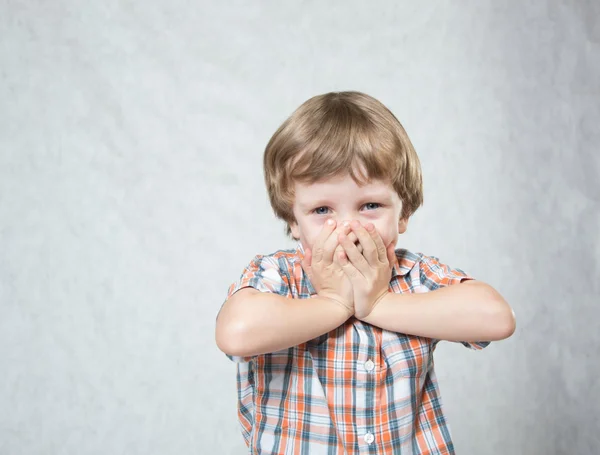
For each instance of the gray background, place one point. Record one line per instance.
(131, 196)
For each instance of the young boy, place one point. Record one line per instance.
(334, 340)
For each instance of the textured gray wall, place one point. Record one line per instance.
(131, 195)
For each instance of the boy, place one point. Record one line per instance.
(334, 340)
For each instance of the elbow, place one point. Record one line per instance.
(230, 339)
(499, 319)
(506, 324)
(504, 321)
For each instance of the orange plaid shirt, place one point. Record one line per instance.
(357, 389)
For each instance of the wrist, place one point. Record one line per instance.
(377, 303)
(347, 307)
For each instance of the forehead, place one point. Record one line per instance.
(342, 187)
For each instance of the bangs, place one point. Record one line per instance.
(345, 141)
(338, 134)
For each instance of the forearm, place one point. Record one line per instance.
(258, 323)
(470, 311)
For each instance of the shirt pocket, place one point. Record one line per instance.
(407, 355)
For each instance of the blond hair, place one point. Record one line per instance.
(335, 134)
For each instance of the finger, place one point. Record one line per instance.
(307, 261)
(339, 255)
(354, 239)
(347, 267)
(331, 243)
(391, 255)
(319, 245)
(369, 247)
(381, 249)
(354, 256)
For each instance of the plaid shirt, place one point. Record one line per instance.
(357, 389)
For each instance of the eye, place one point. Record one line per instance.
(372, 205)
(321, 210)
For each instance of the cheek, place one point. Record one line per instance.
(388, 233)
(310, 231)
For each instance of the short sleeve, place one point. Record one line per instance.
(265, 274)
(435, 275)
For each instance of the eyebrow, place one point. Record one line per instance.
(369, 197)
(375, 195)
(315, 203)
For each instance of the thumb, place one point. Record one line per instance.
(307, 258)
(306, 262)
(391, 255)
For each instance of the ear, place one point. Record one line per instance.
(295, 230)
(402, 225)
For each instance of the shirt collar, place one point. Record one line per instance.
(405, 262)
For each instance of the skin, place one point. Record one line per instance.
(352, 263)
(341, 199)
(348, 233)
(327, 217)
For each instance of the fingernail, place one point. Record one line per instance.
(346, 224)
(370, 227)
(330, 222)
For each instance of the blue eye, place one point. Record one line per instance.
(321, 210)
(372, 205)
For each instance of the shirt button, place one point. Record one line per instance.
(369, 438)
(369, 365)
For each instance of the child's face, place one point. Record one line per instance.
(341, 199)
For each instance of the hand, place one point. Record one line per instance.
(325, 272)
(369, 272)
